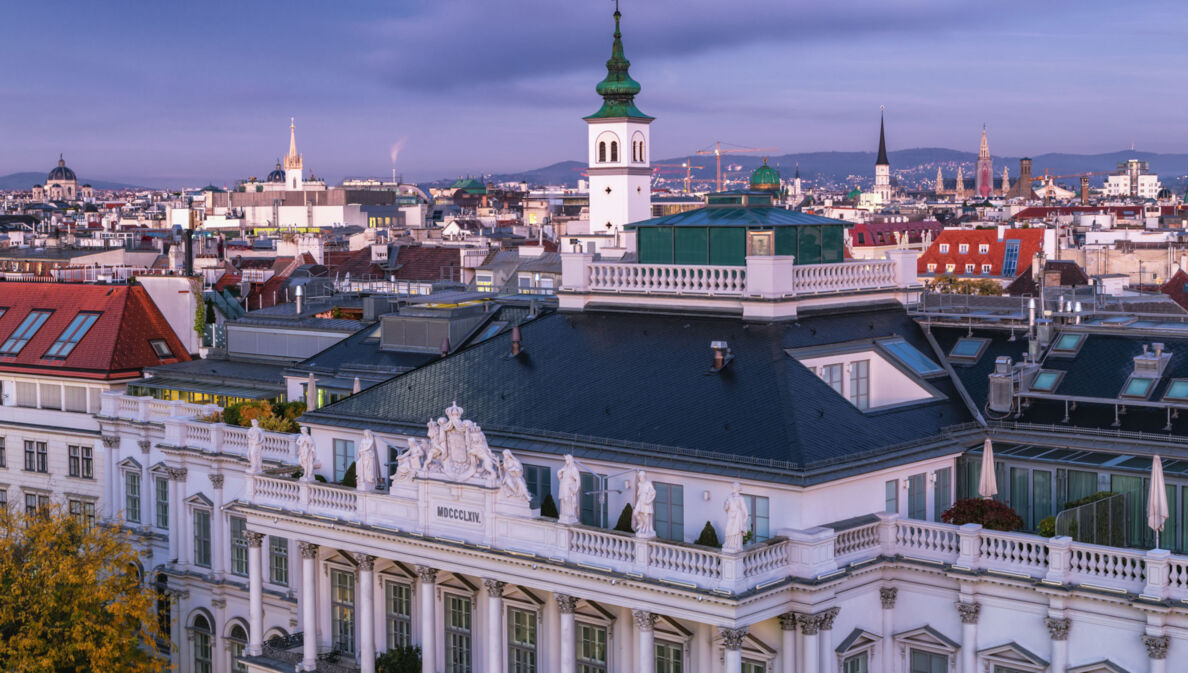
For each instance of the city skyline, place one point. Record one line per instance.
(162, 94)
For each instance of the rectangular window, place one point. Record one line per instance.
(983, 248)
(26, 394)
(539, 481)
(398, 602)
(963, 249)
(942, 491)
(1010, 258)
(917, 504)
(458, 636)
(51, 396)
(591, 649)
(72, 335)
(278, 560)
(239, 548)
(132, 497)
(928, 662)
(344, 456)
(3, 453)
(670, 658)
(986, 268)
(161, 348)
(162, 502)
(4, 498)
(80, 462)
(36, 458)
(1081, 484)
(670, 511)
(832, 376)
(521, 641)
(1021, 494)
(969, 268)
(944, 248)
(860, 384)
(759, 508)
(593, 501)
(202, 538)
(24, 332)
(859, 663)
(83, 512)
(752, 666)
(1041, 496)
(342, 606)
(75, 399)
(73, 461)
(891, 496)
(932, 268)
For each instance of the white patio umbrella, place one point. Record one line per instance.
(988, 485)
(1157, 500)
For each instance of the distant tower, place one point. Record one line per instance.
(882, 183)
(959, 192)
(620, 172)
(984, 178)
(292, 160)
(1022, 188)
(1006, 181)
(797, 191)
(940, 182)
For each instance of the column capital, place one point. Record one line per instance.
(494, 587)
(644, 620)
(809, 624)
(969, 612)
(177, 473)
(827, 618)
(565, 604)
(1156, 646)
(365, 561)
(788, 621)
(308, 549)
(732, 639)
(111, 441)
(1057, 627)
(254, 538)
(144, 444)
(888, 595)
(216, 481)
(426, 574)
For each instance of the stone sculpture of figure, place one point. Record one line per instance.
(512, 481)
(306, 454)
(255, 448)
(737, 520)
(437, 449)
(409, 463)
(569, 482)
(644, 510)
(366, 463)
(480, 453)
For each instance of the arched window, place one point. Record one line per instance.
(635, 150)
(602, 152)
(641, 150)
(614, 151)
(238, 642)
(203, 645)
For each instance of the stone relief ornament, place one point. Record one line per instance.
(366, 463)
(569, 481)
(458, 450)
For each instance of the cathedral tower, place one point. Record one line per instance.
(293, 177)
(620, 171)
(984, 177)
(882, 183)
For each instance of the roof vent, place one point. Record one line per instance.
(445, 346)
(516, 341)
(722, 355)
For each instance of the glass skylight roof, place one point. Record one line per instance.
(24, 332)
(968, 348)
(1046, 381)
(1138, 386)
(908, 355)
(74, 333)
(1069, 343)
(1177, 391)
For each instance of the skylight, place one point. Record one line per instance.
(1177, 391)
(1068, 344)
(908, 355)
(161, 348)
(1046, 381)
(1138, 386)
(72, 335)
(968, 349)
(24, 332)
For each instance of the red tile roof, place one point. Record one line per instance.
(869, 234)
(1042, 212)
(1031, 241)
(355, 262)
(116, 347)
(1176, 287)
(425, 263)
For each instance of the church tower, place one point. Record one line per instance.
(940, 182)
(1006, 181)
(620, 171)
(293, 179)
(984, 180)
(959, 192)
(882, 183)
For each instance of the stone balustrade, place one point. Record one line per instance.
(844, 276)
(145, 409)
(666, 278)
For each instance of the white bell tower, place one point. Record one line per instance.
(620, 146)
(293, 179)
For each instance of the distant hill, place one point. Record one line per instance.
(849, 167)
(27, 179)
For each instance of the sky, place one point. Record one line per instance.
(186, 93)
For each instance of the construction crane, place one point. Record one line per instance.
(717, 151)
(686, 166)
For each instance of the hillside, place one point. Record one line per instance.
(27, 179)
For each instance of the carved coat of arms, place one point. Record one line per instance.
(458, 450)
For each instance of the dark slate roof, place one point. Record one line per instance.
(739, 216)
(633, 380)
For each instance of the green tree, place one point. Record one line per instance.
(405, 659)
(708, 537)
(624, 522)
(71, 598)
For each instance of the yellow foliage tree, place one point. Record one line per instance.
(71, 598)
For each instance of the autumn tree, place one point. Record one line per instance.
(71, 598)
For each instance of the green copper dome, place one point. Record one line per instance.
(618, 89)
(765, 178)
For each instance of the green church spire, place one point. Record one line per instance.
(617, 88)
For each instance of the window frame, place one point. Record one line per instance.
(586, 664)
(526, 646)
(343, 608)
(132, 513)
(68, 340)
(398, 629)
(24, 333)
(459, 640)
(278, 560)
(237, 526)
(347, 456)
(161, 502)
(202, 553)
(668, 507)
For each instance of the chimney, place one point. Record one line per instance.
(722, 355)
(445, 346)
(1158, 346)
(515, 341)
(1037, 267)
(1084, 190)
(300, 292)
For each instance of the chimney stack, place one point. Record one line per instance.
(1084, 190)
(515, 341)
(300, 293)
(445, 346)
(722, 355)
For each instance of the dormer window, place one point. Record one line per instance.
(944, 248)
(161, 348)
(984, 249)
(963, 249)
(24, 332)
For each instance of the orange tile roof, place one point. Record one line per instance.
(1031, 241)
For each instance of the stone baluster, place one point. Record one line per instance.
(645, 643)
(255, 542)
(494, 625)
(788, 642)
(428, 577)
(1058, 632)
(366, 612)
(309, 605)
(969, 612)
(732, 641)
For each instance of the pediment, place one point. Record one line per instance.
(200, 500)
(129, 463)
(1104, 666)
(928, 637)
(1012, 653)
(857, 640)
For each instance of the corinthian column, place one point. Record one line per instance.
(888, 596)
(494, 625)
(732, 641)
(309, 607)
(255, 543)
(366, 612)
(566, 605)
(969, 612)
(810, 658)
(825, 640)
(1157, 651)
(788, 642)
(1058, 632)
(645, 649)
(428, 578)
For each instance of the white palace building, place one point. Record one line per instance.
(736, 372)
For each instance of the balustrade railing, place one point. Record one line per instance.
(601, 545)
(684, 560)
(853, 543)
(766, 559)
(1013, 553)
(841, 276)
(666, 278)
(934, 541)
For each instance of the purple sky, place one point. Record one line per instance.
(190, 93)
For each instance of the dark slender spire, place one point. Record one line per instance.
(882, 160)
